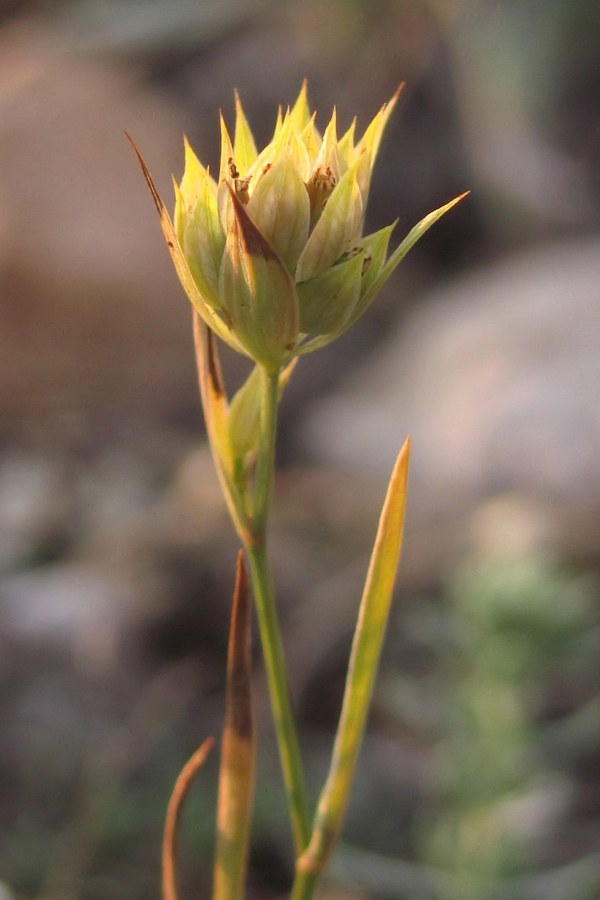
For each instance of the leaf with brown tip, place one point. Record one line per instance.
(212, 319)
(180, 792)
(238, 752)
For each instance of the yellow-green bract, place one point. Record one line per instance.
(272, 254)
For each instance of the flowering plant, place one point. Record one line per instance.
(274, 261)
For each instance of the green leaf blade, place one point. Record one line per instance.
(364, 660)
(388, 268)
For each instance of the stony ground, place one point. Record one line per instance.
(116, 556)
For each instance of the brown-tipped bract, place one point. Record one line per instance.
(273, 253)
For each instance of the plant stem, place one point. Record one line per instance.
(289, 750)
(270, 632)
(305, 885)
(265, 462)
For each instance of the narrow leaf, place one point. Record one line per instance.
(236, 776)
(414, 235)
(180, 792)
(417, 233)
(364, 660)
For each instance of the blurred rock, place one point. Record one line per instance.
(78, 607)
(95, 330)
(195, 510)
(35, 509)
(496, 378)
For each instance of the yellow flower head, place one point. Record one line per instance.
(272, 253)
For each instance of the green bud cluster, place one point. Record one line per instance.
(272, 253)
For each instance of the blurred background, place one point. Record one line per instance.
(479, 775)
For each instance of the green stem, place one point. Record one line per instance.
(289, 750)
(265, 462)
(270, 632)
(305, 885)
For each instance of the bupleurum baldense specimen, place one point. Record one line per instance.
(274, 261)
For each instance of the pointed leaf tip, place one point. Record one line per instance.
(456, 200)
(362, 668)
(180, 792)
(238, 715)
(244, 148)
(398, 91)
(146, 171)
(253, 242)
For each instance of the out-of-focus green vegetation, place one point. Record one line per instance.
(503, 692)
(526, 637)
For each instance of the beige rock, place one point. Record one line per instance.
(496, 378)
(94, 324)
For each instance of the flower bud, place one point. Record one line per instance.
(272, 255)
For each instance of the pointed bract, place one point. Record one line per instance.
(375, 246)
(208, 315)
(265, 253)
(311, 139)
(336, 228)
(327, 301)
(280, 209)
(194, 176)
(372, 136)
(203, 242)
(300, 111)
(346, 151)
(257, 292)
(400, 252)
(244, 148)
(226, 152)
(244, 415)
(328, 152)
